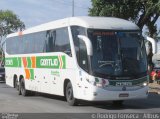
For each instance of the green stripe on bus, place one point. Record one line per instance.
(19, 61)
(31, 73)
(29, 62)
(41, 62)
(13, 62)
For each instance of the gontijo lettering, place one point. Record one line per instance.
(49, 62)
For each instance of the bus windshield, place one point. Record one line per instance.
(120, 53)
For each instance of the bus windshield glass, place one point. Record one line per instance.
(120, 53)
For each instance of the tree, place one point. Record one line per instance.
(9, 23)
(141, 12)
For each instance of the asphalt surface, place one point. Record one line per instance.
(11, 102)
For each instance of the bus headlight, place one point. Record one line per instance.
(101, 83)
(145, 84)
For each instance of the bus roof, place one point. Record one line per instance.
(110, 23)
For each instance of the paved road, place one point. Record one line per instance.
(10, 101)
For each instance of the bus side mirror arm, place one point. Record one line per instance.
(88, 44)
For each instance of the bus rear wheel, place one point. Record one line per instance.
(16, 84)
(22, 89)
(69, 95)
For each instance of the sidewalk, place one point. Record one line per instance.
(154, 87)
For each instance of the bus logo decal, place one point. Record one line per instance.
(29, 63)
(54, 62)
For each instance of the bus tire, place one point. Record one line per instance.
(16, 84)
(69, 95)
(19, 90)
(118, 102)
(22, 89)
(14, 81)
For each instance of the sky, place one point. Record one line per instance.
(35, 12)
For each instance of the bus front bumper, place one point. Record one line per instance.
(100, 94)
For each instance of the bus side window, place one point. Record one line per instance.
(62, 43)
(50, 41)
(80, 47)
(83, 58)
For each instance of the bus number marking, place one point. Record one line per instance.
(9, 62)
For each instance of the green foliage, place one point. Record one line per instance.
(142, 12)
(118, 8)
(9, 22)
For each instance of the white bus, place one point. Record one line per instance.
(81, 58)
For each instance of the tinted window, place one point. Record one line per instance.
(117, 53)
(62, 43)
(83, 58)
(50, 42)
(12, 45)
(45, 41)
(80, 47)
(76, 30)
(28, 44)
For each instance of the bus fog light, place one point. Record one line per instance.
(145, 84)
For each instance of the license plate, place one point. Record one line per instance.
(123, 95)
(123, 83)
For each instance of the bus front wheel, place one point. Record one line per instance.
(69, 95)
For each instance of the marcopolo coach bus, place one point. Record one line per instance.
(81, 58)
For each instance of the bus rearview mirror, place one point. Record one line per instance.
(88, 44)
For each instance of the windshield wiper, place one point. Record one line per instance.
(103, 63)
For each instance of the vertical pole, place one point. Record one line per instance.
(72, 8)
